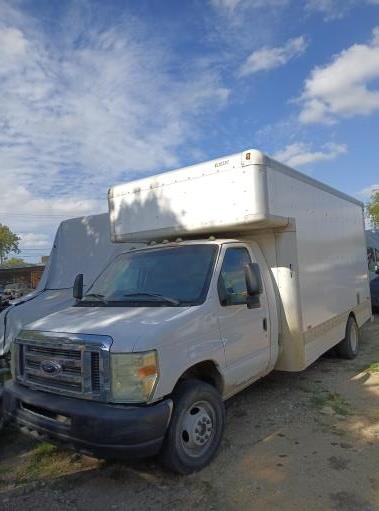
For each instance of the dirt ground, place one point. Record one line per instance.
(307, 441)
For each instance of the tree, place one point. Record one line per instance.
(9, 242)
(373, 208)
(14, 261)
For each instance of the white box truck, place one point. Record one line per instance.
(248, 266)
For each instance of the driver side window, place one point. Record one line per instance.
(232, 282)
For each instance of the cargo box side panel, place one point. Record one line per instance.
(332, 266)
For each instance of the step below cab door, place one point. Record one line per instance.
(243, 322)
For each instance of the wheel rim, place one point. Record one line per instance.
(354, 338)
(198, 428)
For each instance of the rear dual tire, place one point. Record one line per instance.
(196, 427)
(348, 348)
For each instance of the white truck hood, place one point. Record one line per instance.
(131, 328)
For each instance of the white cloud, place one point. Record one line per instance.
(331, 9)
(368, 191)
(87, 108)
(12, 45)
(335, 9)
(269, 58)
(299, 154)
(231, 5)
(33, 240)
(342, 88)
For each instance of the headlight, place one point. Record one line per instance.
(134, 376)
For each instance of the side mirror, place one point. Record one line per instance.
(253, 279)
(77, 290)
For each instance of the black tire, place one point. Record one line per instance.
(198, 416)
(348, 348)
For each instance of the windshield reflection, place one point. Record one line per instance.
(165, 276)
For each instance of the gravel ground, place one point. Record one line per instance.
(292, 442)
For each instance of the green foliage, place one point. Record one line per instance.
(9, 242)
(14, 261)
(373, 208)
(323, 397)
(373, 368)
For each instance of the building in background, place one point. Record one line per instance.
(25, 273)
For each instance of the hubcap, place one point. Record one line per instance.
(197, 429)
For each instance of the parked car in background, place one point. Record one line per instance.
(374, 288)
(16, 290)
(4, 299)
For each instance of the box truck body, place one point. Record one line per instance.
(249, 266)
(311, 235)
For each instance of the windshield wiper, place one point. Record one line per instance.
(98, 296)
(174, 301)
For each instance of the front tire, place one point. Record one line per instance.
(196, 427)
(348, 348)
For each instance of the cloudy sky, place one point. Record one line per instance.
(96, 93)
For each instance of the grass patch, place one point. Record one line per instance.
(5, 471)
(321, 398)
(373, 368)
(45, 461)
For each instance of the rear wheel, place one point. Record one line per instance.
(349, 346)
(196, 427)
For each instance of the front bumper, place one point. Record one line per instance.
(100, 429)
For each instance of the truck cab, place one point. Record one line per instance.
(157, 318)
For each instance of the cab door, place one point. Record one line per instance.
(243, 323)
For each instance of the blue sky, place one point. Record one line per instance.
(96, 93)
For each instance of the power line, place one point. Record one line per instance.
(47, 215)
(22, 256)
(63, 215)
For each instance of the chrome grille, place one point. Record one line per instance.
(70, 361)
(75, 365)
(95, 372)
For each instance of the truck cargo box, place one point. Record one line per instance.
(312, 237)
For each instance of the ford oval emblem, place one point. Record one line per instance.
(50, 367)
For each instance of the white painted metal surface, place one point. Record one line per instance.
(215, 196)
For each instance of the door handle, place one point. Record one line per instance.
(265, 324)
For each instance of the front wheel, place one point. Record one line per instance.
(348, 347)
(196, 427)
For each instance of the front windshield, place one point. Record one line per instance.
(163, 276)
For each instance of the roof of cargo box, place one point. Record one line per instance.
(248, 157)
(222, 195)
